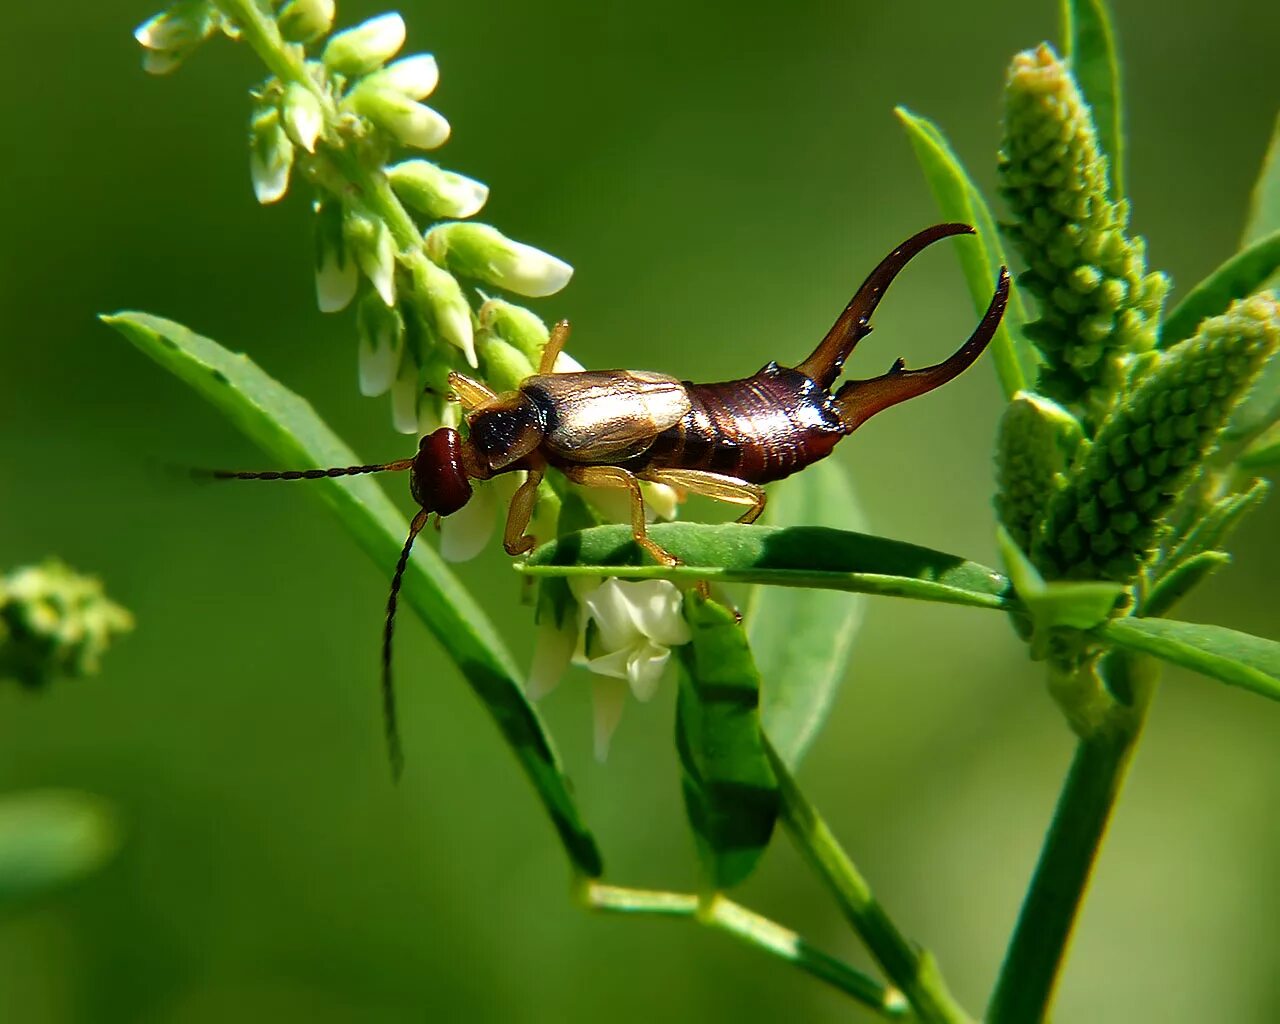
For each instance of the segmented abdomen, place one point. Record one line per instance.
(759, 429)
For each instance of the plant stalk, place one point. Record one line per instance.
(1025, 986)
(912, 969)
(754, 930)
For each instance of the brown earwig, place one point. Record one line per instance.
(616, 428)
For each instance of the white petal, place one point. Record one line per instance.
(269, 171)
(163, 62)
(656, 609)
(414, 76)
(461, 196)
(336, 281)
(645, 667)
(303, 117)
(465, 534)
(379, 358)
(565, 363)
(529, 271)
(455, 326)
(421, 127)
(608, 697)
(359, 50)
(660, 501)
(612, 665)
(610, 607)
(382, 267)
(552, 651)
(404, 398)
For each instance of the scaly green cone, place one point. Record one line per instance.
(1036, 443)
(1103, 525)
(1097, 301)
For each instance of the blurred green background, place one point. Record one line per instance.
(721, 175)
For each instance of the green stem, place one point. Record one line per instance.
(911, 968)
(1025, 986)
(754, 930)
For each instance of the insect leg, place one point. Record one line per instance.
(554, 346)
(713, 485)
(613, 476)
(471, 393)
(514, 539)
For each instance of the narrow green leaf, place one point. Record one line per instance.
(1238, 277)
(286, 427)
(1264, 204)
(959, 200)
(1179, 581)
(730, 791)
(49, 838)
(802, 638)
(1095, 63)
(795, 556)
(1264, 453)
(1216, 524)
(1239, 659)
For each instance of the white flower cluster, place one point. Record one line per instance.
(338, 105)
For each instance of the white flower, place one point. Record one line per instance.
(405, 390)
(303, 117)
(381, 332)
(484, 252)
(370, 240)
(270, 155)
(362, 49)
(413, 124)
(626, 630)
(435, 191)
(467, 532)
(336, 275)
(416, 76)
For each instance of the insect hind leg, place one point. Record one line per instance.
(614, 476)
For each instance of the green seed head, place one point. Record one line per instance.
(1104, 523)
(1037, 441)
(1097, 302)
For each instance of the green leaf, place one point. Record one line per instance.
(1091, 50)
(49, 838)
(802, 638)
(794, 556)
(1239, 659)
(1238, 277)
(286, 427)
(1179, 581)
(1264, 204)
(1264, 453)
(1217, 522)
(959, 200)
(730, 790)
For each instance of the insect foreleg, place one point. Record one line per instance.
(514, 539)
(613, 476)
(715, 486)
(554, 346)
(471, 393)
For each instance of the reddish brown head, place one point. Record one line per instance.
(438, 479)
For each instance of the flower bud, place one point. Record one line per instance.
(381, 344)
(1036, 443)
(1097, 302)
(516, 325)
(303, 116)
(270, 155)
(305, 21)
(365, 48)
(412, 124)
(504, 365)
(450, 314)
(1104, 523)
(485, 253)
(370, 241)
(415, 77)
(435, 191)
(336, 275)
(53, 621)
(171, 35)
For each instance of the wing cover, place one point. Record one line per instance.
(605, 415)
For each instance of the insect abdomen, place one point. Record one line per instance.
(759, 429)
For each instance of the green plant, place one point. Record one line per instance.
(1121, 468)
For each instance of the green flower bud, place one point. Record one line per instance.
(336, 275)
(370, 241)
(435, 191)
(303, 116)
(1036, 443)
(381, 344)
(54, 622)
(517, 326)
(171, 36)
(270, 155)
(415, 77)
(412, 124)
(450, 314)
(305, 21)
(486, 254)
(1097, 301)
(504, 365)
(365, 48)
(1103, 524)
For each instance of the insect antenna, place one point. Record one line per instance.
(827, 360)
(303, 474)
(394, 751)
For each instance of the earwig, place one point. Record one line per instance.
(616, 428)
